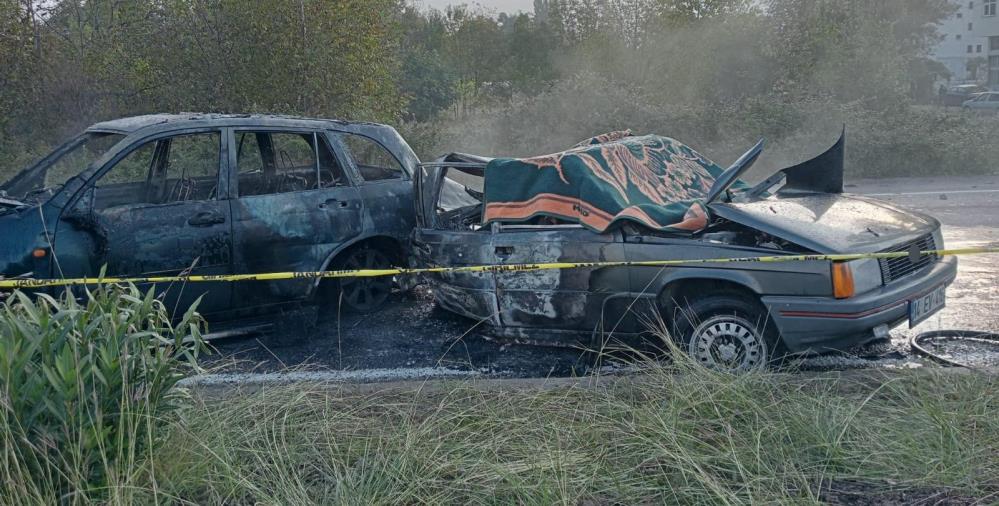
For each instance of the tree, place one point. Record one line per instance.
(17, 59)
(304, 57)
(845, 48)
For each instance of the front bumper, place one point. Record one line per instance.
(819, 324)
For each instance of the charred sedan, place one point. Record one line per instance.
(624, 198)
(217, 194)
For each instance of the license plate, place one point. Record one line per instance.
(924, 307)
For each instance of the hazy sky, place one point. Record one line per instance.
(493, 5)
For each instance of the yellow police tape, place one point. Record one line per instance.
(371, 273)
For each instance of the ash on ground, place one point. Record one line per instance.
(412, 335)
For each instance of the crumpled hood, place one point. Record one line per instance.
(830, 223)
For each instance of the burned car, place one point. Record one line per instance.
(620, 198)
(217, 194)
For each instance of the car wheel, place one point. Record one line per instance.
(728, 332)
(359, 295)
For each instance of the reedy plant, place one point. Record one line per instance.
(84, 383)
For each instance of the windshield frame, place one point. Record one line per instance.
(34, 175)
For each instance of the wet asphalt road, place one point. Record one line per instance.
(412, 336)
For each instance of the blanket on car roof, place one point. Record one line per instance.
(655, 181)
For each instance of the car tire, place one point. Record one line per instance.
(356, 295)
(728, 332)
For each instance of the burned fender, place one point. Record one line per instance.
(81, 217)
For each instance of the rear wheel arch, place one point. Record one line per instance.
(391, 246)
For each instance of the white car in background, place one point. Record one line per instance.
(985, 102)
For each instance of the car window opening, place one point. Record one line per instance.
(175, 169)
(283, 162)
(459, 203)
(373, 161)
(65, 162)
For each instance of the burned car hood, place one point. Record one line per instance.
(829, 223)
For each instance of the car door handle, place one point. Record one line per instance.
(342, 204)
(504, 251)
(206, 219)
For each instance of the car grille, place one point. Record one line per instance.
(895, 268)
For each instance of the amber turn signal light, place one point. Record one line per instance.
(39, 253)
(842, 280)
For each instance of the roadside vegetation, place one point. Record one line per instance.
(717, 74)
(86, 389)
(668, 435)
(92, 414)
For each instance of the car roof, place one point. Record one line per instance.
(184, 120)
(155, 124)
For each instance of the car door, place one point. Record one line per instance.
(160, 210)
(295, 206)
(449, 233)
(563, 299)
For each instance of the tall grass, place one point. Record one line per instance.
(110, 428)
(682, 434)
(84, 387)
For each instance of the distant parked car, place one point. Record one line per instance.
(984, 102)
(217, 194)
(958, 95)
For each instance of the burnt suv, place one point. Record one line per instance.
(726, 315)
(217, 194)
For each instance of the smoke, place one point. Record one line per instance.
(709, 84)
(722, 83)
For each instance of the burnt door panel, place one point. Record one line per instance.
(450, 235)
(156, 212)
(295, 208)
(559, 299)
(471, 294)
(290, 232)
(170, 239)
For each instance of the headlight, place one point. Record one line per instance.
(866, 274)
(855, 276)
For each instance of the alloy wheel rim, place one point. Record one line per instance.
(728, 342)
(364, 294)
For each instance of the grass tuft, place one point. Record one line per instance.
(677, 434)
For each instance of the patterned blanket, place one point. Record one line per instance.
(652, 180)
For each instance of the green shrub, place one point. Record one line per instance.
(83, 386)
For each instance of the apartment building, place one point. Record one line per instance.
(971, 35)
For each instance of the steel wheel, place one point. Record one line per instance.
(363, 295)
(728, 342)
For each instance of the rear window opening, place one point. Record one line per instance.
(459, 204)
